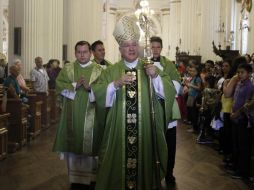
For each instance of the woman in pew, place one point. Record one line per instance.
(11, 83)
(20, 78)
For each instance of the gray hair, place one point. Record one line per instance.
(16, 61)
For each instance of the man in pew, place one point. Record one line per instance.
(39, 82)
(39, 76)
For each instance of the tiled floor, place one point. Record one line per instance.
(36, 167)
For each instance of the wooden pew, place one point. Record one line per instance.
(17, 128)
(54, 110)
(35, 110)
(3, 135)
(45, 110)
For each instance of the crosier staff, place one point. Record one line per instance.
(145, 25)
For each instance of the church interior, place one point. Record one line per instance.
(199, 30)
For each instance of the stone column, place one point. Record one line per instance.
(190, 26)
(82, 22)
(32, 34)
(174, 28)
(1, 26)
(210, 19)
(41, 30)
(112, 50)
(53, 29)
(251, 32)
(165, 32)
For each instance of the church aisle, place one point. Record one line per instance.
(36, 167)
(199, 167)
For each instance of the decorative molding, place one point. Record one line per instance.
(165, 9)
(175, 1)
(113, 9)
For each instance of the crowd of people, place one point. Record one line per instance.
(217, 103)
(118, 121)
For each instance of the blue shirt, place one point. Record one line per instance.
(11, 80)
(195, 81)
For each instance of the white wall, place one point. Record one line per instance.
(41, 30)
(83, 21)
(251, 32)
(174, 28)
(1, 26)
(47, 25)
(111, 46)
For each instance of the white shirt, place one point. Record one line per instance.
(177, 86)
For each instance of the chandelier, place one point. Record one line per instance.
(144, 9)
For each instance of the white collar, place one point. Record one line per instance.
(85, 65)
(132, 64)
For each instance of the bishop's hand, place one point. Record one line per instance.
(125, 79)
(151, 70)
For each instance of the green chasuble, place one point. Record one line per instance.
(105, 62)
(77, 132)
(126, 157)
(170, 69)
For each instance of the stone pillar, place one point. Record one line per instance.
(82, 22)
(32, 34)
(251, 32)
(41, 30)
(1, 26)
(210, 19)
(53, 29)
(112, 50)
(190, 26)
(174, 28)
(165, 32)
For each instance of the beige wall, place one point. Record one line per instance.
(47, 25)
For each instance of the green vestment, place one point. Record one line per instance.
(106, 62)
(77, 132)
(170, 69)
(113, 154)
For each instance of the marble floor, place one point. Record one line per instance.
(36, 167)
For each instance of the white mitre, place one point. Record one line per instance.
(126, 29)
